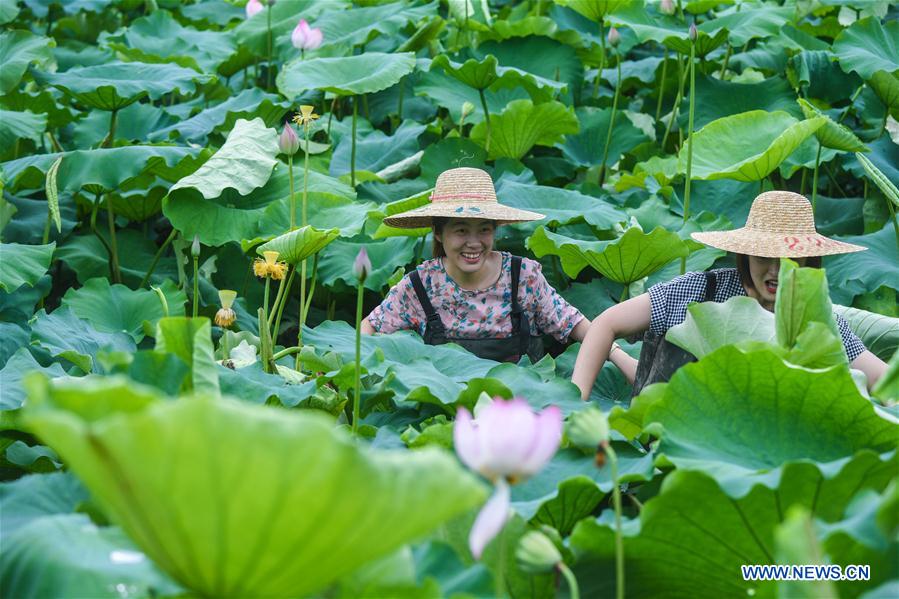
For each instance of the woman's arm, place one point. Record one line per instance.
(366, 327)
(580, 330)
(628, 317)
(871, 365)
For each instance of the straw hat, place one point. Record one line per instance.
(461, 193)
(780, 225)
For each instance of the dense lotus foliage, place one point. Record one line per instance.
(193, 197)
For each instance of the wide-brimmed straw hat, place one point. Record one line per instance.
(780, 225)
(461, 193)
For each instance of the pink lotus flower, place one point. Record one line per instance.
(614, 38)
(289, 142)
(506, 444)
(667, 7)
(305, 37)
(362, 265)
(253, 6)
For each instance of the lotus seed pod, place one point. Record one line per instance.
(536, 554)
(588, 428)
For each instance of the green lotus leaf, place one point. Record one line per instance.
(595, 10)
(9, 10)
(889, 190)
(23, 264)
(295, 246)
(726, 98)
(761, 413)
(67, 555)
(450, 93)
(693, 511)
(297, 525)
(802, 298)
(879, 333)
(867, 46)
(887, 388)
(218, 12)
(359, 25)
(863, 272)
(376, 150)
(747, 146)
(886, 86)
(35, 496)
(522, 125)
(348, 75)
(116, 308)
(629, 258)
(253, 33)
(11, 376)
(190, 339)
(18, 49)
(159, 38)
(561, 206)
(710, 325)
(41, 8)
(384, 210)
(248, 104)
(21, 125)
(253, 384)
(666, 30)
(65, 335)
(336, 262)
(586, 147)
(86, 255)
(552, 64)
(105, 168)
(832, 134)
(115, 85)
(745, 25)
(482, 73)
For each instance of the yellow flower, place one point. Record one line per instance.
(269, 267)
(306, 115)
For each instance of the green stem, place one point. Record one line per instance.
(802, 182)
(602, 61)
(279, 296)
(196, 306)
(268, 282)
(399, 104)
(573, 590)
(293, 199)
(45, 238)
(501, 565)
(486, 119)
(683, 261)
(268, 71)
(682, 77)
(605, 151)
(156, 258)
(286, 352)
(116, 273)
(305, 220)
(302, 310)
(815, 177)
(726, 58)
(265, 342)
(311, 289)
(356, 381)
(353, 150)
(893, 218)
(662, 85)
(112, 125)
(97, 233)
(284, 301)
(619, 539)
(226, 350)
(623, 294)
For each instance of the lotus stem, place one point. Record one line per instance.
(623, 293)
(602, 61)
(97, 233)
(501, 562)
(311, 289)
(116, 273)
(112, 125)
(815, 177)
(619, 539)
(486, 119)
(45, 238)
(682, 79)
(284, 300)
(353, 150)
(302, 309)
(156, 258)
(605, 152)
(726, 59)
(265, 342)
(399, 104)
(196, 304)
(279, 296)
(226, 350)
(268, 71)
(662, 86)
(573, 590)
(683, 261)
(293, 199)
(286, 352)
(304, 217)
(357, 377)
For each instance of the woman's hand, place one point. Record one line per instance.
(366, 327)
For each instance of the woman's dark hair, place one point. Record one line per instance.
(438, 223)
(746, 277)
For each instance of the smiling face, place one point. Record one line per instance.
(763, 273)
(468, 243)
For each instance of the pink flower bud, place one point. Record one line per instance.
(253, 6)
(667, 7)
(614, 38)
(362, 265)
(305, 37)
(693, 33)
(289, 142)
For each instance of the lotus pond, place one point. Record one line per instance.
(186, 187)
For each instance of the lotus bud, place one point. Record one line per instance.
(667, 7)
(362, 265)
(536, 554)
(253, 7)
(693, 32)
(225, 317)
(614, 38)
(195, 247)
(588, 429)
(467, 109)
(289, 142)
(305, 37)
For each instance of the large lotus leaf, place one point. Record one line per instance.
(801, 299)
(133, 123)
(253, 384)
(218, 12)
(190, 339)
(249, 103)
(595, 10)
(539, 389)
(692, 511)
(65, 335)
(522, 125)
(21, 125)
(36, 496)
(747, 146)
(116, 308)
(23, 264)
(832, 134)
(104, 168)
(41, 8)
(629, 258)
(557, 63)
(718, 99)
(710, 325)
(486, 72)
(866, 47)
(116, 85)
(18, 365)
(360, 25)
(9, 10)
(294, 523)
(389, 209)
(879, 333)
(745, 25)
(86, 255)
(738, 416)
(863, 272)
(295, 246)
(586, 147)
(253, 33)
(561, 206)
(18, 49)
(886, 86)
(159, 38)
(336, 262)
(666, 30)
(376, 150)
(68, 556)
(348, 75)
(451, 94)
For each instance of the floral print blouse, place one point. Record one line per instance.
(477, 314)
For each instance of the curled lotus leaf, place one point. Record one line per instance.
(295, 246)
(832, 134)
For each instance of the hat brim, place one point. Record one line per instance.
(424, 215)
(775, 245)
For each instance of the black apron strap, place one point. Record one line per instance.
(434, 326)
(520, 325)
(711, 286)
